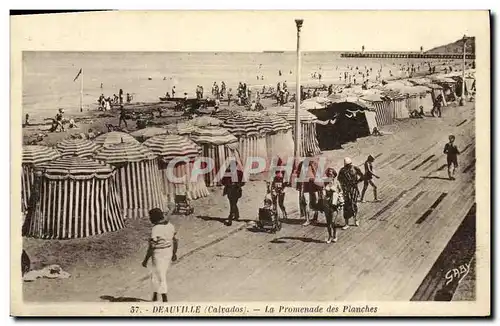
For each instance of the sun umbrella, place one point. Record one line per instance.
(143, 134)
(114, 137)
(77, 147)
(34, 154)
(172, 146)
(123, 153)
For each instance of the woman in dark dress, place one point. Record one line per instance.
(349, 176)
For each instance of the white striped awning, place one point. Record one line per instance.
(148, 132)
(124, 153)
(224, 114)
(169, 147)
(241, 126)
(75, 167)
(78, 147)
(305, 116)
(35, 154)
(114, 137)
(272, 123)
(213, 135)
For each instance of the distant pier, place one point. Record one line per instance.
(405, 55)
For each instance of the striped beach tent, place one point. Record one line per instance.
(309, 140)
(148, 132)
(77, 147)
(217, 144)
(33, 155)
(114, 137)
(73, 197)
(384, 112)
(279, 139)
(224, 114)
(181, 128)
(184, 151)
(137, 177)
(252, 143)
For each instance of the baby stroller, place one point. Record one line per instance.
(268, 216)
(182, 205)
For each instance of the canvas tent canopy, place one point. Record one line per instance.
(137, 177)
(309, 140)
(177, 155)
(33, 155)
(345, 122)
(74, 197)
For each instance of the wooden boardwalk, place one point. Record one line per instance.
(386, 258)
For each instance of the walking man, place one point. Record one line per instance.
(349, 176)
(452, 152)
(123, 117)
(367, 178)
(437, 106)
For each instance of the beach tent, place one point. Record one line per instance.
(114, 137)
(33, 155)
(309, 141)
(185, 152)
(224, 114)
(279, 139)
(217, 144)
(75, 197)
(343, 122)
(181, 128)
(137, 177)
(252, 143)
(77, 147)
(148, 132)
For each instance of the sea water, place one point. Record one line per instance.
(48, 77)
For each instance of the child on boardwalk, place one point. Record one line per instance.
(368, 179)
(162, 249)
(452, 152)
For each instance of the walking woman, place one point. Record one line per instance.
(332, 201)
(349, 176)
(367, 178)
(162, 250)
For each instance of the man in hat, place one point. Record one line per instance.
(59, 120)
(233, 190)
(123, 117)
(349, 176)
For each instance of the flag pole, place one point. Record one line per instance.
(81, 92)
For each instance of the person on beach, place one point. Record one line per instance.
(332, 201)
(229, 96)
(59, 120)
(123, 117)
(173, 91)
(368, 179)
(437, 106)
(233, 189)
(452, 152)
(307, 187)
(162, 249)
(120, 95)
(27, 120)
(277, 190)
(349, 176)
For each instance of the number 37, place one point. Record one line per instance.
(134, 309)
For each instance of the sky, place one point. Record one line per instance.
(247, 31)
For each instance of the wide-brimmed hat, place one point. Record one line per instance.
(347, 161)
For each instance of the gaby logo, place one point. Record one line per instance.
(457, 273)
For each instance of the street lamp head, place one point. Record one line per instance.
(299, 22)
(465, 37)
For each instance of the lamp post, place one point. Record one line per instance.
(462, 98)
(298, 94)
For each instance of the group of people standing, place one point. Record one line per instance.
(334, 192)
